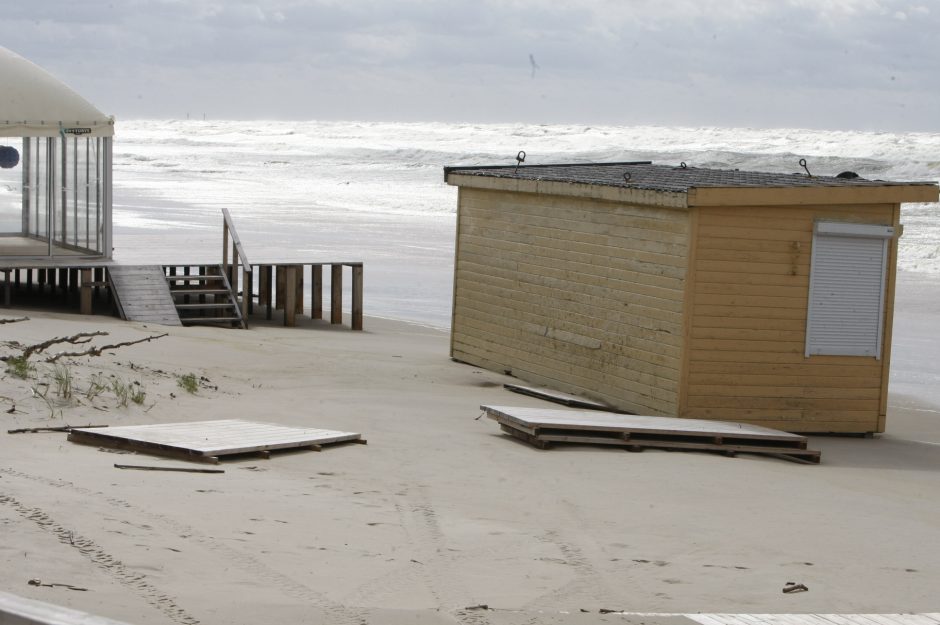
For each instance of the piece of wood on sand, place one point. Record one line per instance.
(572, 401)
(207, 441)
(543, 427)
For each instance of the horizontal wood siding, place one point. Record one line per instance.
(579, 294)
(747, 333)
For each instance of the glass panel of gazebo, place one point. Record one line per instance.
(58, 185)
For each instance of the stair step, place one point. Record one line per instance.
(189, 321)
(195, 278)
(198, 291)
(204, 306)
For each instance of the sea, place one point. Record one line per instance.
(319, 191)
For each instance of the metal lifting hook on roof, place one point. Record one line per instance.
(803, 165)
(520, 159)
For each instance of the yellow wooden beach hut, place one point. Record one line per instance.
(679, 291)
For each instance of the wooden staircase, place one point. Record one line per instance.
(205, 297)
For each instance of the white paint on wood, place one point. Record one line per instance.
(15, 610)
(218, 438)
(593, 420)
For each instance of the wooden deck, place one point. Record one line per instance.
(206, 441)
(288, 289)
(542, 428)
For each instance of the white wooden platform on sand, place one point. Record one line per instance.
(542, 427)
(206, 441)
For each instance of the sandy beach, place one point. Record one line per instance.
(440, 512)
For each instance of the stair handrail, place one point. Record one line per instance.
(238, 254)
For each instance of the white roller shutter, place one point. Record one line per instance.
(847, 289)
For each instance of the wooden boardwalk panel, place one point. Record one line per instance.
(608, 421)
(143, 294)
(542, 428)
(207, 440)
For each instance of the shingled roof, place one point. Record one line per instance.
(675, 179)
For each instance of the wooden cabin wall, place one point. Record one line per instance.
(747, 325)
(578, 294)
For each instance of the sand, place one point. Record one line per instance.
(440, 512)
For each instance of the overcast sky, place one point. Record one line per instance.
(839, 64)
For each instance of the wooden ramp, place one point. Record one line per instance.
(142, 294)
(206, 441)
(542, 428)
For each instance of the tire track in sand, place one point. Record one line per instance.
(137, 582)
(335, 612)
(422, 530)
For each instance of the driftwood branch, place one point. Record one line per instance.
(61, 428)
(75, 339)
(17, 320)
(97, 351)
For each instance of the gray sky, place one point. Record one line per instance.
(839, 64)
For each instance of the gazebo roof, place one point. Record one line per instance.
(34, 103)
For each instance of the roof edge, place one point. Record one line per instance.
(895, 193)
(625, 195)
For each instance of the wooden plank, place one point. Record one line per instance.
(572, 401)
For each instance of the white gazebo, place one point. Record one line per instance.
(55, 169)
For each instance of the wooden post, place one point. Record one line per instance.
(300, 290)
(316, 291)
(224, 243)
(85, 298)
(6, 287)
(246, 293)
(279, 286)
(290, 294)
(357, 297)
(336, 294)
(266, 278)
